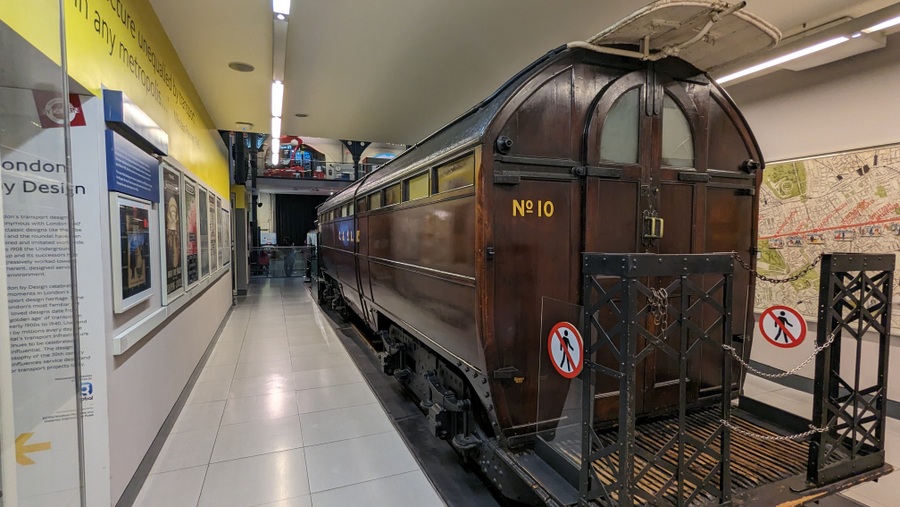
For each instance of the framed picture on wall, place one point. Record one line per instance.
(172, 224)
(212, 209)
(192, 242)
(226, 243)
(131, 252)
(220, 213)
(203, 222)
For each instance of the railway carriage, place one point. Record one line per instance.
(457, 244)
(460, 254)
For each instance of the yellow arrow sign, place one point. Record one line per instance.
(22, 449)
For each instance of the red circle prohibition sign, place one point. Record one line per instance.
(566, 353)
(783, 327)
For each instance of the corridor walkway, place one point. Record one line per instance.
(281, 416)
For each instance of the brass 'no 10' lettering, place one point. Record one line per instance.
(347, 236)
(522, 207)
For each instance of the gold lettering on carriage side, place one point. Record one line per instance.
(541, 208)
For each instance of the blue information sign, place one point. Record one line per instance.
(130, 170)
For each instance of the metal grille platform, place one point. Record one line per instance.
(754, 463)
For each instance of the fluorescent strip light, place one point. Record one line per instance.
(277, 97)
(782, 59)
(276, 139)
(281, 6)
(884, 24)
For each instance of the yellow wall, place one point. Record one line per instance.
(134, 56)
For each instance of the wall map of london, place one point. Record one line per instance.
(849, 202)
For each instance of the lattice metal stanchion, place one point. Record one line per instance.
(854, 298)
(629, 321)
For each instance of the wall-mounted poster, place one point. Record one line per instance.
(213, 234)
(204, 233)
(226, 241)
(171, 212)
(130, 233)
(192, 245)
(840, 202)
(220, 213)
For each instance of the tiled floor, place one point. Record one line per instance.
(874, 494)
(282, 417)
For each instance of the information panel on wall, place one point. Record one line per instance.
(171, 206)
(204, 232)
(844, 202)
(192, 245)
(130, 170)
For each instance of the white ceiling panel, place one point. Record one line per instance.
(396, 70)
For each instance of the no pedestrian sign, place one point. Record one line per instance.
(782, 326)
(566, 349)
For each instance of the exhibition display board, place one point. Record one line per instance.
(842, 202)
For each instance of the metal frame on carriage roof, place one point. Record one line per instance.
(717, 11)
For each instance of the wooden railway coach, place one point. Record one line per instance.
(455, 250)
(455, 246)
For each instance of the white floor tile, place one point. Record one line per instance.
(356, 460)
(300, 501)
(332, 397)
(257, 437)
(205, 392)
(198, 416)
(263, 368)
(180, 488)
(255, 480)
(222, 373)
(320, 361)
(343, 423)
(410, 488)
(255, 386)
(185, 450)
(259, 408)
(339, 375)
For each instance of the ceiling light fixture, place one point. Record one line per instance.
(241, 67)
(277, 98)
(281, 6)
(280, 16)
(783, 59)
(884, 24)
(276, 139)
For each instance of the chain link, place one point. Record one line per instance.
(659, 307)
(799, 367)
(774, 438)
(793, 278)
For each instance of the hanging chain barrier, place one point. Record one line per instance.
(812, 429)
(793, 278)
(774, 438)
(799, 367)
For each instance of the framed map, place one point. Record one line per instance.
(844, 202)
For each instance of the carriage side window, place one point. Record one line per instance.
(621, 129)
(677, 141)
(393, 195)
(361, 204)
(456, 174)
(417, 187)
(375, 200)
